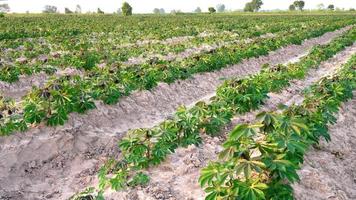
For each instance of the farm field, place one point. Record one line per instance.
(200, 106)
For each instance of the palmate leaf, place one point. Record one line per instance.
(212, 196)
(252, 190)
(139, 179)
(268, 120)
(244, 130)
(246, 167)
(293, 125)
(84, 103)
(119, 180)
(278, 191)
(33, 114)
(214, 172)
(282, 167)
(58, 117)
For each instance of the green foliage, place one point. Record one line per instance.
(126, 9)
(259, 160)
(331, 7)
(299, 4)
(292, 7)
(49, 9)
(253, 6)
(142, 148)
(211, 10)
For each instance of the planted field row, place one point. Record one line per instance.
(145, 147)
(64, 95)
(84, 55)
(260, 160)
(32, 49)
(146, 28)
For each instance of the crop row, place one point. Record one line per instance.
(111, 40)
(84, 55)
(260, 160)
(129, 29)
(142, 148)
(67, 94)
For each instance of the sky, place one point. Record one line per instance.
(146, 6)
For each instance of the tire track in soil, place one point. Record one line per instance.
(177, 177)
(55, 162)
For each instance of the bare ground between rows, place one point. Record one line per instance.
(55, 162)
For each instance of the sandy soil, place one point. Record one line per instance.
(177, 177)
(54, 162)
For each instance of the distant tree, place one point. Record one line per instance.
(292, 7)
(126, 9)
(253, 6)
(4, 8)
(352, 9)
(220, 7)
(257, 4)
(331, 7)
(119, 11)
(99, 11)
(67, 11)
(156, 11)
(211, 10)
(299, 4)
(78, 9)
(320, 6)
(248, 7)
(197, 10)
(162, 11)
(49, 9)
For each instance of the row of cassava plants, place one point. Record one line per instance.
(260, 159)
(16, 30)
(88, 57)
(142, 148)
(106, 42)
(63, 95)
(85, 56)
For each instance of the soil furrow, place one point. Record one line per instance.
(54, 162)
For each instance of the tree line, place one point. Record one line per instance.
(126, 8)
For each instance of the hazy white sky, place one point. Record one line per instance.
(146, 6)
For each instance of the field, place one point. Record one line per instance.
(175, 107)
